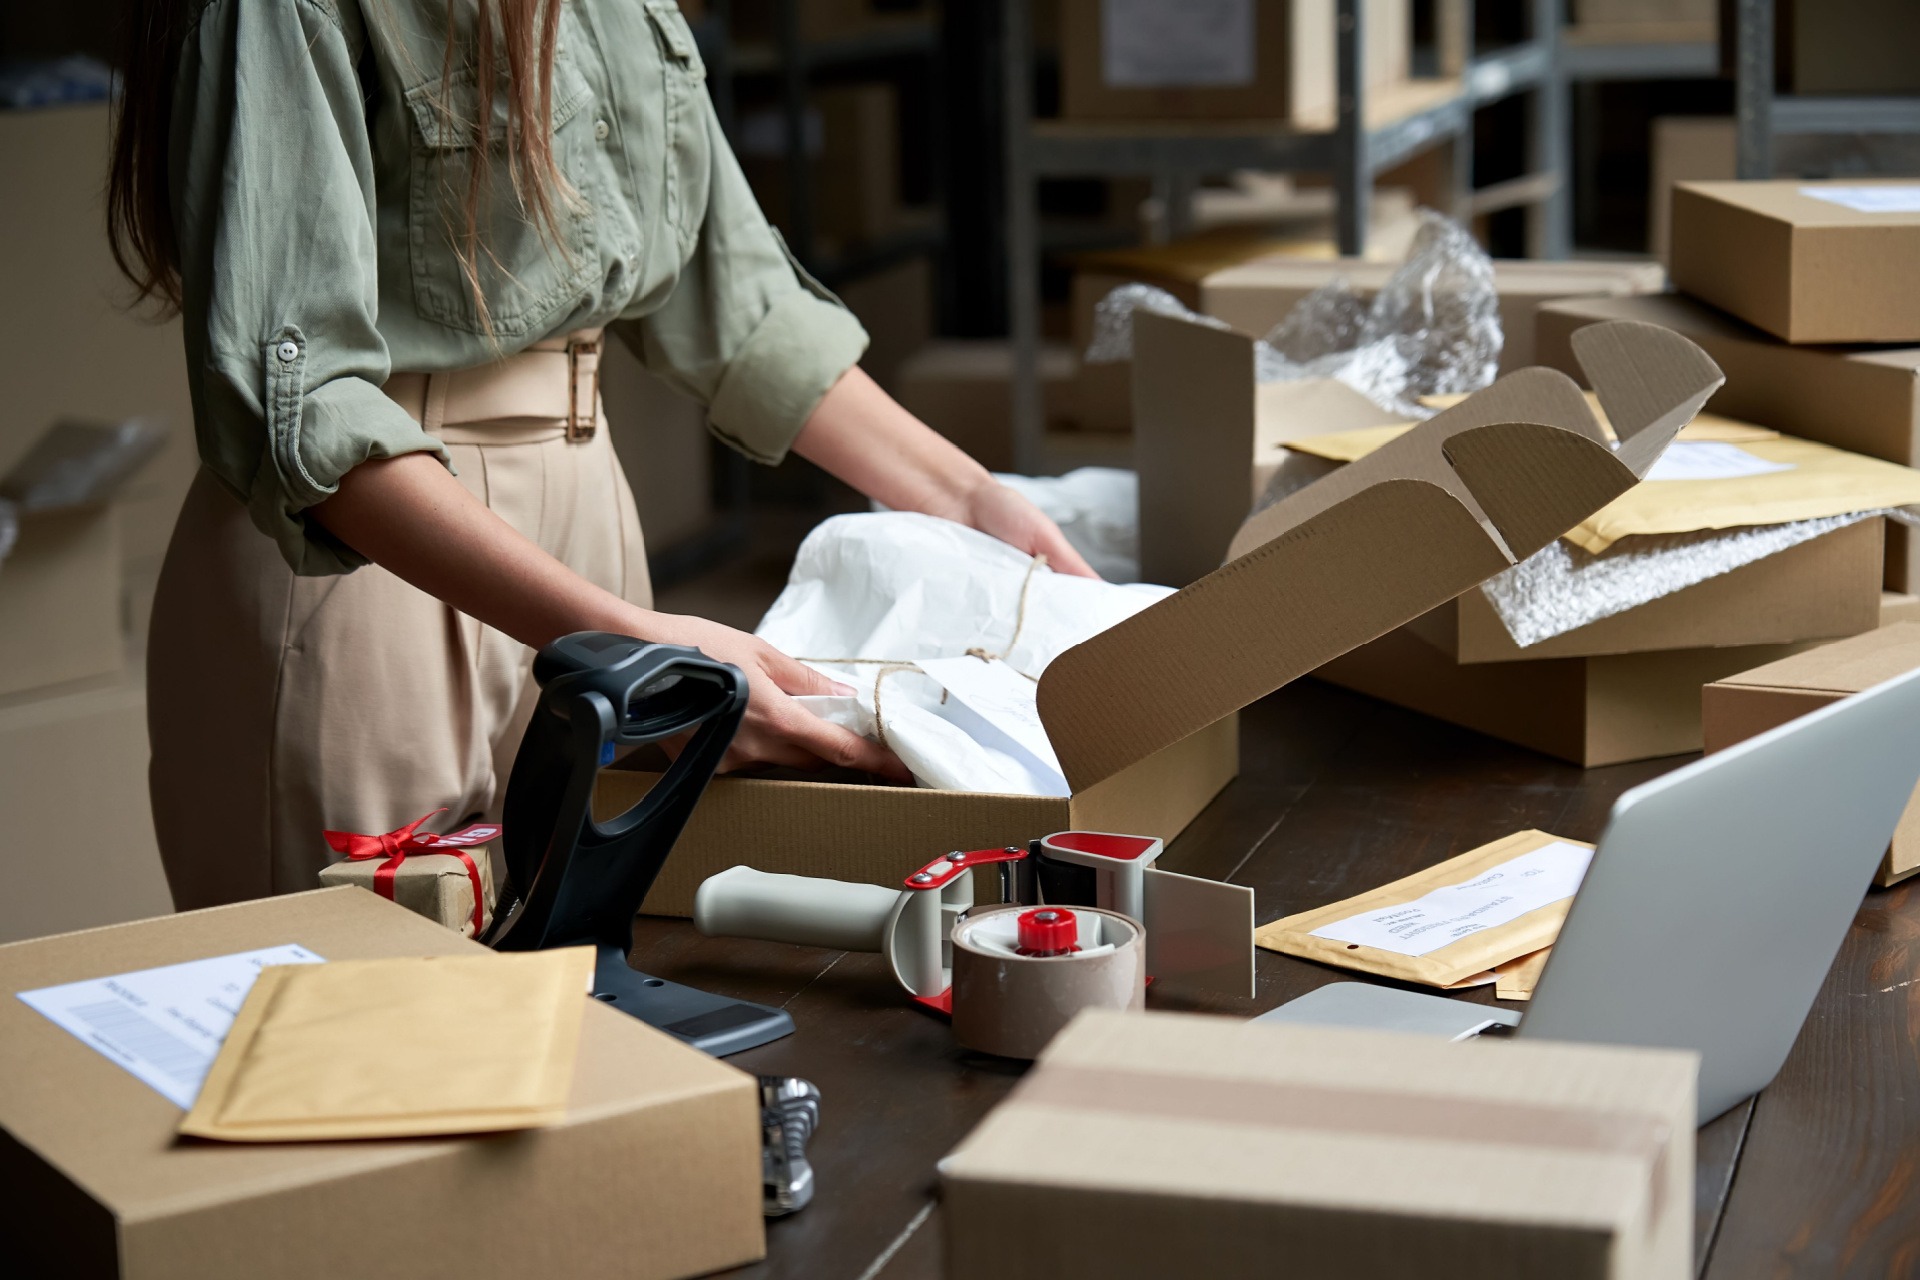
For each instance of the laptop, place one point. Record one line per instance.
(1714, 904)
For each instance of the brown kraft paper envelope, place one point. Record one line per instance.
(407, 1046)
(1466, 962)
(1461, 497)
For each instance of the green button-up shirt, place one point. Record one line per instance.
(318, 184)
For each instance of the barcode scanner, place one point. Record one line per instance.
(574, 880)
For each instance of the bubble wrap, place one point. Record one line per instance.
(1561, 587)
(1433, 329)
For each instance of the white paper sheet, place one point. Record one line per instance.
(1505, 893)
(1896, 198)
(163, 1025)
(1711, 460)
(1169, 44)
(1006, 714)
(897, 590)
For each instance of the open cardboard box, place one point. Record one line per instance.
(1210, 439)
(1822, 589)
(1864, 399)
(1142, 715)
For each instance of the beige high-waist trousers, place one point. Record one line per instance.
(282, 706)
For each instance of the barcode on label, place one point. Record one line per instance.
(128, 1033)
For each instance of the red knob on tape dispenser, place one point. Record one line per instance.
(1048, 931)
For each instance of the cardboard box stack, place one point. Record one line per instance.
(1179, 1144)
(1804, 293)
(654, 1171)
(1747, 703)
(1623, 687)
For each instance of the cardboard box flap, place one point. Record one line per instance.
(1530, 396)
(1650, 380)
(1371, 547)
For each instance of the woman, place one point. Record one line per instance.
(396, 230)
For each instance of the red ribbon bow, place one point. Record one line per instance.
(397, 846)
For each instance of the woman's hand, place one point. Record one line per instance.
(995, 509)
(861, 434)
(778, 730)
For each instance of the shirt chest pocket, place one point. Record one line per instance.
(527, 278)
(687, 171)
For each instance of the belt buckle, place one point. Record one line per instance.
(581, 420)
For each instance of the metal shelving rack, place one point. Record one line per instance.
(1760, 114)
(1364, 139)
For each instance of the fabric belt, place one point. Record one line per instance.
(548, 391)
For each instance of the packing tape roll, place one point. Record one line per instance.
(1011, 1005)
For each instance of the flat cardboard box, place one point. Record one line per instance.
(1142, 715)
(1822, 589)
(1865, 399)
(654, 1172)
(1255, 296)
(1685, 149)
(60, 600)
(1586, 711)
(1287, 72)
(1192, 1145)
(1803, 268)
(1897, 606)
(80, 849)
(1740, 706)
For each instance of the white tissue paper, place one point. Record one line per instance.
(909, 595)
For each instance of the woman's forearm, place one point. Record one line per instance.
(412, 517)
(861, 435)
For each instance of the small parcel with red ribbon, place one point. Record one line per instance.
(1161, 1144)
(652, 1172)
(446, 878)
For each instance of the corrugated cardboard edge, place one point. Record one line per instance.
(1400, 532)
(1293, 935)
(1738, 707)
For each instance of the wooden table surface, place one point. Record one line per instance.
(1820, 1176)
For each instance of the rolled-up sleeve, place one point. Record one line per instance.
(274, 207)
(746, 331)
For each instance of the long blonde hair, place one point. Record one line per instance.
(519, 34)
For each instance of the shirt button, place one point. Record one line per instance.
(289, 351)
(601, 129)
